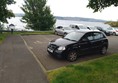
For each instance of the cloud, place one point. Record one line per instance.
(74, 8)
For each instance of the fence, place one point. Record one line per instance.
(11, 31)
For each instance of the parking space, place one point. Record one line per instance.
(38, 45)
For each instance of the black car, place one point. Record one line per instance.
(108, 33)
(78, 43)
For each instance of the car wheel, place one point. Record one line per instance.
(65, 34)
(72, 56)
(103, 50)
(114, 33)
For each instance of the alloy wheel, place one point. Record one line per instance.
(72, 56)
(104, 50)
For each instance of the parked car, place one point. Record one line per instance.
(79, 27)
(108, 33)
(62, 30)
(78, 43)
(113, 31)
(92, 28)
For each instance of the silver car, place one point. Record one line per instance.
(92, 28)
(60, 30)
(112, 30)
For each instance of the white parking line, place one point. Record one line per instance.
(30, 47)
(39, 42)
(38, 61)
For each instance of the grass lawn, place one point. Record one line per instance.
(34, 32)
(3, 36)
(101, 70)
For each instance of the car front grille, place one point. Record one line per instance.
(52, 47)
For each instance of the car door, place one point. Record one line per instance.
(60, 30)
(97, 41)
(85, 45)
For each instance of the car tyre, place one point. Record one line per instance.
(72, 56)
(114, 34)
(65, 34)
(103, 50)
(56, 32)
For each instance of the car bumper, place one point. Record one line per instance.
(116, 33)
(108, 33)
(57, 53)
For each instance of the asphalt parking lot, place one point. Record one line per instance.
(38, 45)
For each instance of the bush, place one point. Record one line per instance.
(112, 23)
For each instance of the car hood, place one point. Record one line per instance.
(68, 31)
(62, 42)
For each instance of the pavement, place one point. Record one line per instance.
(17, 65)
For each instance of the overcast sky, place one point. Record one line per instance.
(73, 8)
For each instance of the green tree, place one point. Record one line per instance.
(37, 15)
(99, 5)
(4, 12)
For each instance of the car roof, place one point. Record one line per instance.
(90, 26)
(84, 31)
(77, 24)
(115, 27)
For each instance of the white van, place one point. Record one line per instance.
(79, 27)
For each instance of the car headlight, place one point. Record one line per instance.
(61, 48)
(49, 43)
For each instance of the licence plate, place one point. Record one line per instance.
(50, 50)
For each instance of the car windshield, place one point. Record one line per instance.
(109, 29)
(74, 36)
(93, 28)
(67, 28)
(82, 27)
(116, 28)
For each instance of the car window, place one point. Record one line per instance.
(89, 36)
(98, 35)
(59, 27)
(67, 28)
(99, 28)
(77, 27)
(93, 28)
(82, 27)
(72, 26)
(102, 35)
(116, 28)
(109, 28)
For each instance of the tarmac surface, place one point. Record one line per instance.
(24, 59)
(38, 45)
(17, 65)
